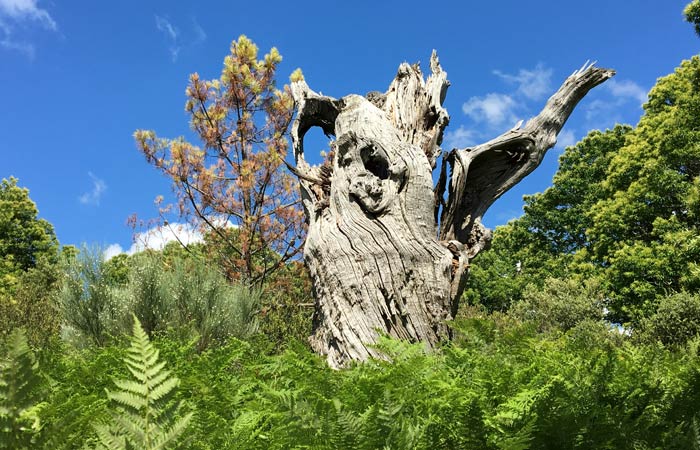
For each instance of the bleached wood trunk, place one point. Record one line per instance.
(386, 251)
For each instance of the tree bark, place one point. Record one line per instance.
(388, 254)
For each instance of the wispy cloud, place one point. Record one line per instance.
(494, 109)
(171, 34)
(459, 138)
(93, 196)
(500, 109)
(20, 14)
(533, 84)
(176, 40)
(200, 35)
(608, 104)
(625, 89)
(22, 10)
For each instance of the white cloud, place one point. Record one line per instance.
(98, 188)
(459, 138)
(495, 109)
(16, 14)
(112, 251)
(624, 89)
(533, 84)
(23, 10)
(156, 238)
(175, 38)
(566, 139)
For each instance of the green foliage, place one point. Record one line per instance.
(117, 269)
(287, 305)
(24, 238)
(561, 304)
(87, 299)
(498, 277)
(692, 14)
(33, 304)
(499, 385)
(205, 303)
(676, 321)
(28, 267)
(164, 292)
(147, 295)
(19, 404)
(147, 417)
(624, 208)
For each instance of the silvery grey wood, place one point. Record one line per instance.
(387, 253)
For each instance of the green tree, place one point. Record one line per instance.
(644, 232)
(561, 304)
(34, 306)
(692, 14)
(676, 321)
(624, 208)
(550, 239)
(24, 238)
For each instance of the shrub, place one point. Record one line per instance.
(676, 320)
(87, 298)
(560, 304)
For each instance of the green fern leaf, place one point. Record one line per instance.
(19, 381)
(146, 417)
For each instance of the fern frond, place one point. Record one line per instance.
(158, 392)
(147, 413)
(162, 441)
(128, 399)
(19, 381)
(109, 440)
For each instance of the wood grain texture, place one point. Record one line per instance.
(380, 260)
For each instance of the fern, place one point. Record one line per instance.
(19, 381)
(147, 414)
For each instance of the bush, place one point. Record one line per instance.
(205, 303)
(560, 304)
(89, 306)
(676, 320)
(33, 305)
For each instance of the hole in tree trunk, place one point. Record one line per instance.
(375, 161)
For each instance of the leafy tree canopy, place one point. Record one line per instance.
(24, 238)
(692, 14)
(624, 207)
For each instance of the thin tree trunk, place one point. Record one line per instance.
(380, 260)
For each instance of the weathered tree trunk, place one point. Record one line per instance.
(387, 253)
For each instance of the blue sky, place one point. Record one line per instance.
(80, 76)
